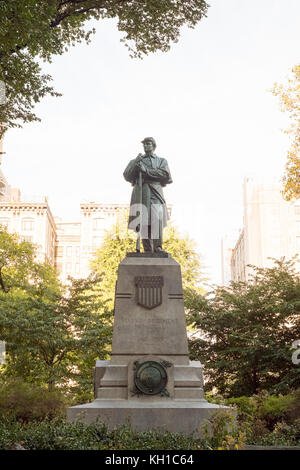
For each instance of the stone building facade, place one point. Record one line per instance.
(95, 220)
(271, 229)
(34, 222)
(227, 245)
(77, 242)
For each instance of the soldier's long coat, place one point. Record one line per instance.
(156, 174)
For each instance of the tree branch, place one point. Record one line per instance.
(2, 285)
(71, 12)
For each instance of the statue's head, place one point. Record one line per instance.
(149, 144)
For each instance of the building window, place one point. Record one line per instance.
(28, 239)
(68, 267)
(27, 224)
(96, 242)
(69, 251)
(59, 251)
(297, 210)
(77, 268)
(59, 268)
(77, 251)
(97, 224)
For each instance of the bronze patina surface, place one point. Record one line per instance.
(148, 214)
(150, 378)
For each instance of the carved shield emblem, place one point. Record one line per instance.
(149, 290)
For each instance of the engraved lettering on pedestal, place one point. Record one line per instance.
(149, 291)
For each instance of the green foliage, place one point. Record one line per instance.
(59, 435)
(283, 435)
(18, 268)
(245, 406)
(53, 334)
(270, 408)
(245, 332)
(26, 402)
(34, 431)
(55, 338)
(276, 419)
(275, 407)
(263, 419)
(119, 241)
(221, 432)
(183, 250)
(32, 30)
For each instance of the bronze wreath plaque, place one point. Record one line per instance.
(151, 378)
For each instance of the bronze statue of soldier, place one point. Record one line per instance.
(148, 174)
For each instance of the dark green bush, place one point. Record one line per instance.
(283, 434)
(245, 406)
(27, 413)
(269, 408)
(58, 434)
(27, 402)
(274, 408)
(269, 419)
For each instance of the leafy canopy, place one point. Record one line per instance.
(53, 334)
(18, 265)
(32, 30)
(245, 332)
(54, 338)
(289, 96)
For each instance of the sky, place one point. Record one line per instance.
(206, 102)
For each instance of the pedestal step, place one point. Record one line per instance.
(181, 416)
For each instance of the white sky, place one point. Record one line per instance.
(206, 102)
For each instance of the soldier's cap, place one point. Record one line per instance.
(146, 139)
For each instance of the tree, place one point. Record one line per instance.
(53, 334)
(289, 96)
(18, 266)
(54, 338)
(32, 30)
(245, 332)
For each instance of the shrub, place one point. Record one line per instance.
(28, 402)
(58, 434)
(284, 434)
(293, 412)
(244, 405)
(274, 408)
(222, 432)
(267, 419)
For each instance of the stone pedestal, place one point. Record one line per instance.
(149, 381)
